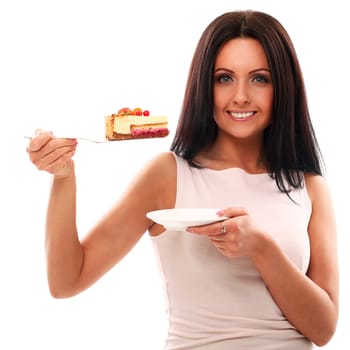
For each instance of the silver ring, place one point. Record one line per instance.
(223, 229)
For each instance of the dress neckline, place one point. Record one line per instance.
(230, 168)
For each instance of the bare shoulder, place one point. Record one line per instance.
(156, 181)
(317, 187)
(322, 225)
(161, 167)
(164, 159)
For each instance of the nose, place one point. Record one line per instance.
(241, 94)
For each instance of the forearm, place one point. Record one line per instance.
(306, 305)
(63, 249)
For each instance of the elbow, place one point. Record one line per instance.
(322, 341)
(61, 287)
(59, 295)
(325, 335)
(59, 292)
(324, 326)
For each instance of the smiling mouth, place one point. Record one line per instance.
(241, 115)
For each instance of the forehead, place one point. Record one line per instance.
(241, 52)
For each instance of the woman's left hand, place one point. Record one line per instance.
(234, 237)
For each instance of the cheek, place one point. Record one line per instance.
(266, 101)
(221, 97)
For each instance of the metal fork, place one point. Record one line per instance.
(76, 138)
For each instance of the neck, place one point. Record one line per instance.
(233, 153)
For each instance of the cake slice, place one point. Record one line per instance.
(135, 124)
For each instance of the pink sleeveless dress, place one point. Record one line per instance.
(216, 303)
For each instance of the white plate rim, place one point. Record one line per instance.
(208, 215)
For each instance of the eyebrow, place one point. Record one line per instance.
(251, 72)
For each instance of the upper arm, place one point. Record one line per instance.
(323, 268)
(120, 229)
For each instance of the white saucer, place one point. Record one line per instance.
(180, 218)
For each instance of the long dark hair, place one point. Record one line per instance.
(290, 145)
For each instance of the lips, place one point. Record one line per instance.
(241, 115)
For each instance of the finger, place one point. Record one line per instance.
(51, 151)
(217, 238)
(38, 132)
(40, 139)
(224, 251)
(57, 146)
(219, 230)
(232, 212)
(60, 152)
(228, 250)
(208, 229)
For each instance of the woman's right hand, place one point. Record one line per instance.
(50, 154)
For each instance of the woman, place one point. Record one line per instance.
(266, 277)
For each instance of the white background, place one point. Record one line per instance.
(64, 65)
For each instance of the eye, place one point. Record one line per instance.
(260, 79)
(223, 78)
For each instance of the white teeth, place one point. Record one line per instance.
(241, 115)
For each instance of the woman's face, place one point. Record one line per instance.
(243, 90)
